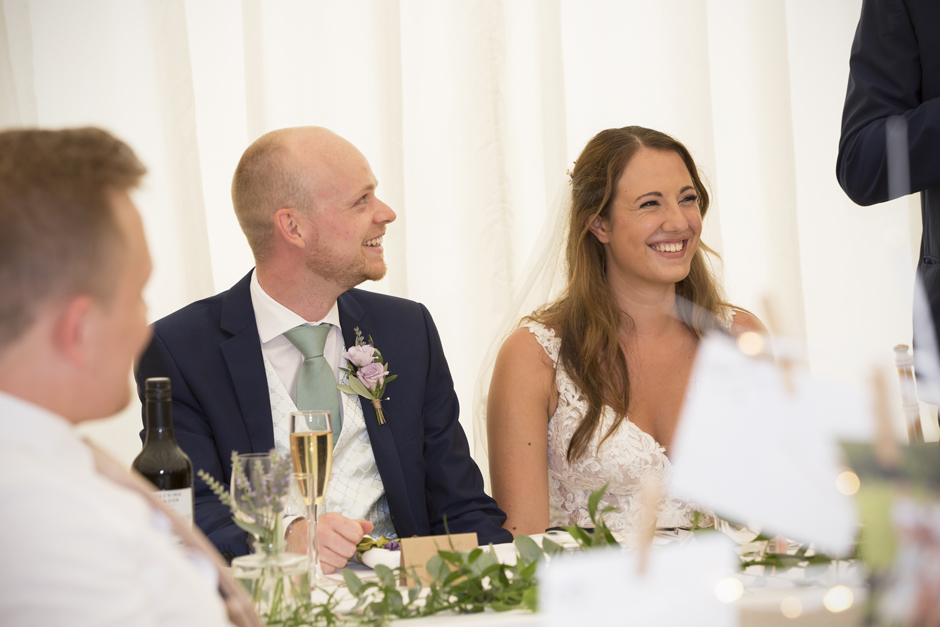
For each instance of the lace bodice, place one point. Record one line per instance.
(626, 458)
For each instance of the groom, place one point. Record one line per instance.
(239, 361)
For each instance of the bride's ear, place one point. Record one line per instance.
(599, 229)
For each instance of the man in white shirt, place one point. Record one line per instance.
(306, 200)
(79, 548)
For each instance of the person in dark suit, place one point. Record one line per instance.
(305, 199)
(892, 108)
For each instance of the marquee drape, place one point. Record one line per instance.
(470, 113)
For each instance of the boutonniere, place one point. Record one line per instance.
(367, 373)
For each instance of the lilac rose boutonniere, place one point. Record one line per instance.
(360, 356)
(367, 374)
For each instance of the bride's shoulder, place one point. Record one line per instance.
(743, 321)
(539, 329)
(533, 342)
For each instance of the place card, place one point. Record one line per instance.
(692, 583)
(415, 553)
(756, 444)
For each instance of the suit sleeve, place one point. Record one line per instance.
(192, 432)
(454, 485)
(885, 81)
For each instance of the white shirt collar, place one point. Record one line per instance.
(274, 319)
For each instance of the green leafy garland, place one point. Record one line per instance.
(463, 582)
(470, 581)
(803, 556)
(460, 581)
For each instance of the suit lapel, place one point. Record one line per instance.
(351, 315)
(242, 354)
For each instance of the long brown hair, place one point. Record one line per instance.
(586, 316)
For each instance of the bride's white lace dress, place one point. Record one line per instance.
(626, 458)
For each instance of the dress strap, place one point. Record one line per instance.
(546, 339)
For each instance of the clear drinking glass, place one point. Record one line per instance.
(311, 447)
(277, 581)
(252, 497)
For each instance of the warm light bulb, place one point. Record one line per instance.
(729, 590)
(751, 343)
(847, 483)
(791, 607)
(838, 599)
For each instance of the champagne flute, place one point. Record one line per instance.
(311, 447)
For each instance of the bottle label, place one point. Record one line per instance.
(180, 501)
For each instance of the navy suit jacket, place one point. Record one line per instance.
(211, 351)
(894, 70)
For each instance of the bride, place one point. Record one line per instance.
(588, 390)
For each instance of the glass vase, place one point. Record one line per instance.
(277, 581)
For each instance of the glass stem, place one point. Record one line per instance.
(312, 547)
(316, 543)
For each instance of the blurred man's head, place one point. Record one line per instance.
(73, 264)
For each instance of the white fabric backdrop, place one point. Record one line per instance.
(470, 112)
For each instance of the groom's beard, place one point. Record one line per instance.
(347, 273)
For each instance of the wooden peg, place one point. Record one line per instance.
(784, 363)
(650, 500)
(886, 449)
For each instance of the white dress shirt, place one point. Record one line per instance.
(273, 320)
(80, 549)
(355, 488)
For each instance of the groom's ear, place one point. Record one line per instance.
(287, 225)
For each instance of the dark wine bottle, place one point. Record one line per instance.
(162, 461)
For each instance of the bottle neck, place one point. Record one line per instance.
(159, 421)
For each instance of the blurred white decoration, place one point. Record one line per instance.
(603, 587)
(760, 445)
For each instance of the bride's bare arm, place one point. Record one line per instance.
(522, 398)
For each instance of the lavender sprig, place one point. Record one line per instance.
(257, 506)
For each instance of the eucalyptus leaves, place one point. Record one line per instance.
(462, 582)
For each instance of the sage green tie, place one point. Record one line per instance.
(316, 384)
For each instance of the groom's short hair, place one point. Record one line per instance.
(266, 179)
(59, 233)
